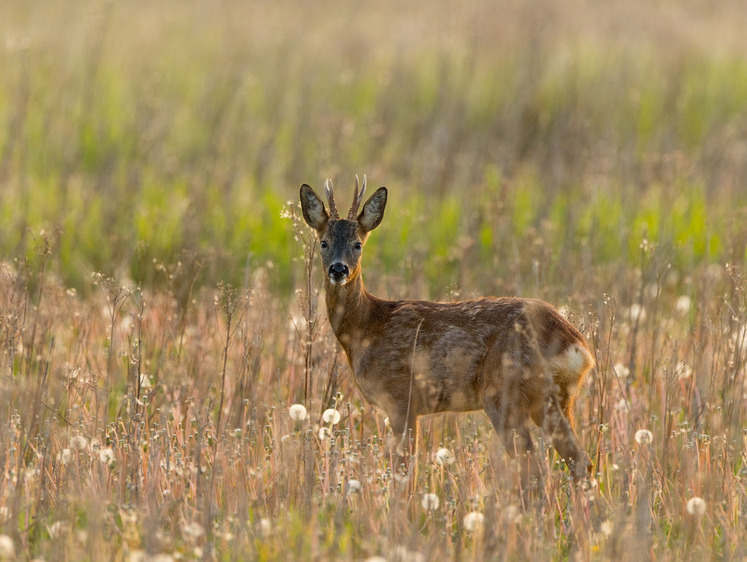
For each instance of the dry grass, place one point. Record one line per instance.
(591, 155)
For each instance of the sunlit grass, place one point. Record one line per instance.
(589, 155)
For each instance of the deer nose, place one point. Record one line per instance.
(338, 271)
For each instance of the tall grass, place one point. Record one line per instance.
(158, 315)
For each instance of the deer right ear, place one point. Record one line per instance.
(373, 210)
(314, 212)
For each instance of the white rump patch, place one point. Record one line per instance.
(575, 359)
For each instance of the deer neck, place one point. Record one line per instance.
(349, 310)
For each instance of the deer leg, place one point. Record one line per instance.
(404, 428)
(510, 424)
(550, 417)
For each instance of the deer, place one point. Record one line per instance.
(515, 358)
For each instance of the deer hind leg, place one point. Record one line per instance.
(553, 421)
(404, 429)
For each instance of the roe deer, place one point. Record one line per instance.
(514, 358)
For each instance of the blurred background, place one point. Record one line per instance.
(521, 142)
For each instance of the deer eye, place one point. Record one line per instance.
(324, 244)
(358, 246)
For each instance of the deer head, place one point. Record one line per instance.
(341, 240)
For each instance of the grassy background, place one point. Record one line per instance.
(592, 155)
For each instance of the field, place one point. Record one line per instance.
(161, 305)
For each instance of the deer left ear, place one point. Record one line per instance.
(313, 209)
(373, 210)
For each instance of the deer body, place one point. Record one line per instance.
(515, 358)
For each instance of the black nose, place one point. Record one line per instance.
(338, 270)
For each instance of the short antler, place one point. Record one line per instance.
(357, 198)
(333, 214)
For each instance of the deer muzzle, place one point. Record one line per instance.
(338, 273)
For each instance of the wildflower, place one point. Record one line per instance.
(636, 313)
(106, 455)
(353, 486)
(473, 521)
(65, 456)
(297, 412)
(324, 433)
(331, 416)
(7, 548)
(696, 506)
(79, 442)
(622, 406)
(513, 514)
(444, 456)
(404, 554)
(430, 502)
(644, 437)
(683, 370)
(621, 370)
(682, 306)
(193, 530)
(264, 527)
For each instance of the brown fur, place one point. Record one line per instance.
(515, 358)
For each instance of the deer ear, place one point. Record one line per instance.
(373, 210)
(314, 212)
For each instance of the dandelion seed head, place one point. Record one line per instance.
(79, 442)
(324, 433)
(644, 437)
(193, 530)
(430, 502)
(696, 506)
(65, 456)
(621, 370)
(606, 527)
(297, 412)
(353, 486)
(7, 548)
(473, 521)
(682, 306)
(622, 406)
(265, 527)
(331, 416)
(106, 455)
(444, 456)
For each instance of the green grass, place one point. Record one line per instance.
(592, 155)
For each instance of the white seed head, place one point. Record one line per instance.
(696, 506)
(193, 530)
(444, 456)
(7, 548)
(682, 306)
(79, 442)
(474, 521)
(331, 416)
(430, 502)
(297, 412)
(353, 486)
(264, 527)
(324, 433)
(644, 437)
(106, 455)
(65, 456)
(606, 527)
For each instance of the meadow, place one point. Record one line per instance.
(161, 305)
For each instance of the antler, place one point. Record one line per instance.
(333, 214)
(357, 198)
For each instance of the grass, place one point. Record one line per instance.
(158, 316)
